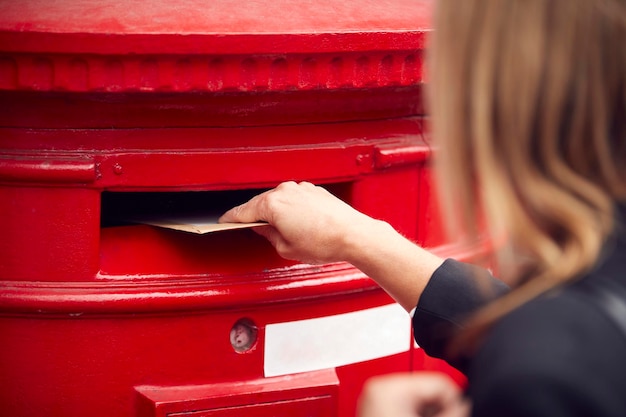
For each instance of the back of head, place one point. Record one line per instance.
(528, 106)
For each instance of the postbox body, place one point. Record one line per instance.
(113, 111)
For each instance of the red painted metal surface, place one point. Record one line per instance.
(112, 109)
(313, 393)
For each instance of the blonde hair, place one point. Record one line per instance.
(528, 107)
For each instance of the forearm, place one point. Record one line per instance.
(398, 265)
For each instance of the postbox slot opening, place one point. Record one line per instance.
(131, 249)
(124, 208)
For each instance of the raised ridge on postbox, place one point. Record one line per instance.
(200, 64)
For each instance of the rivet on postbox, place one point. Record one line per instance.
(118, 169)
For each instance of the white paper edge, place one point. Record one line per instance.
(199, 228)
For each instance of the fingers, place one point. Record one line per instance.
(258, 208)
(420, 394)
(307, 223)
(433, 387)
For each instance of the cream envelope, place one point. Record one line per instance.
(199, 224)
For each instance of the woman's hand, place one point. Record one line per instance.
(306, 222)
(423, 394)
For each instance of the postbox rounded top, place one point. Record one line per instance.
(212, 16)
(73, 25)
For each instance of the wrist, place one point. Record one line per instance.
(398, 265)
(366, 240)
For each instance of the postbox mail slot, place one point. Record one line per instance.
(130, 248)
(124, 208)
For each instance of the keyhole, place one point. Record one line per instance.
(243, 335)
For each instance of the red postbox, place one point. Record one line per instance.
(113, 110)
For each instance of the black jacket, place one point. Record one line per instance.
(558, 355)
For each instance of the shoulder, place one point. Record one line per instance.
(560, 352)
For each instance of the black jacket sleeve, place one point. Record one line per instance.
(455, 290)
